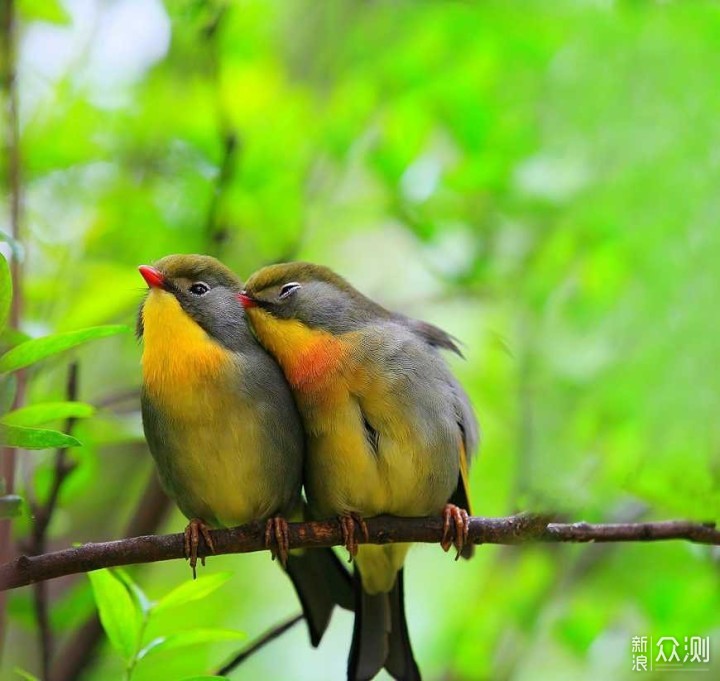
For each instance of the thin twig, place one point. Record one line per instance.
(382, 530)
(112, 400)
(270, 635)
(13, 187)
(216, 231)
(42, 514)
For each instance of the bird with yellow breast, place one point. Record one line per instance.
(390, 431)
(222, 424)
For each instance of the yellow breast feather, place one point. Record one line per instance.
(178, 354)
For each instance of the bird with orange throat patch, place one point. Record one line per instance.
(390, 431)
(222, 424)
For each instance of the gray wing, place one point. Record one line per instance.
(466, 419)
(438, 378)
(413, 400)
(436, 338)
(262, 381)
(431, 334)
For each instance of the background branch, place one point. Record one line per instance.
(42, 515)
(382, 530)
(12, 182)
(269, 636)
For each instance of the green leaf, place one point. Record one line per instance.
(10, 337)
(5, 291)
(39, 414)
(119, 613)
(35, 438)
(25, 675)
(94, 306)
(143, 602)
(8, 388)
(205, 678)
(40, 348)
(43, 10)
(190, 637)
(10, 506)
(192, 590)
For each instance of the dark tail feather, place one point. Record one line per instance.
(400, 662)
(369, 648)
(380, 635)
(321, 583)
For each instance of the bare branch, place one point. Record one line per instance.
(12, 181)
(270, 635)
(42, 514)
(382, 530)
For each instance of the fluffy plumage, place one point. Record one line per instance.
(220, 419)
(389, 427)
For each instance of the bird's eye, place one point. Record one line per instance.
(288, 289)
(199, 288)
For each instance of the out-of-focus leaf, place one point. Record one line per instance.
(190, 637)
(192, 590)
(43, 10)
(25, 675)
(5, 291)
(94, 306)
(119, 614)
(40, 348)
(120, 428)
(137, 593)
(205, 678)
(10, 506)
(8, 388)
(39, 414)
(35, 438)
(73, 607)
(10, 337)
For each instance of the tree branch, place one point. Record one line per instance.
(382, 530)
(269, 636)
(42, 514)
(12, 181)
(216, 230)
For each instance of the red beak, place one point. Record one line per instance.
(246, 301)
(153, 277)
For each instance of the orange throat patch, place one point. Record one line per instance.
(308, 357)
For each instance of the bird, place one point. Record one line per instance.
(390, 431)
(222, 424)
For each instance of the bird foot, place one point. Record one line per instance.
(277, 538)
(460, 521)
(194, 530)
(348, 521)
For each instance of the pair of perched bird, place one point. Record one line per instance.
(296, 379)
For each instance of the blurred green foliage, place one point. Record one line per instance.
(538, 178)
(125, 613)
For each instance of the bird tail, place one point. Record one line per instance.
(380, 635)
(321, 583)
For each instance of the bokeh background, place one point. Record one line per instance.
(540, 179)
